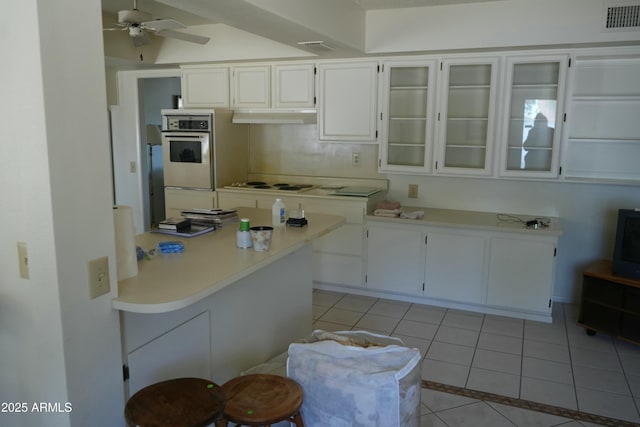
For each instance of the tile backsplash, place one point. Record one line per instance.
(296, 150)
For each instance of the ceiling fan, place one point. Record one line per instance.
(138, 23)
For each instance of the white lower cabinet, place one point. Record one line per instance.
(483, 270)
(521, 273)
(395, 259)
(158, 359)
(455, 266)
(339, 256)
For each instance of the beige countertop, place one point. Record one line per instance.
(209, 263)
(478, 220)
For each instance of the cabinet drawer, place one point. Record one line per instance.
(353, 214)
(632, 301)
(345, 240)
(600, 317)
(630, 327)
(338, 269)
(605, 293)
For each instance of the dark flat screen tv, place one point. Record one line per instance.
(626, 253)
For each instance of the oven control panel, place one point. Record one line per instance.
(186, 123)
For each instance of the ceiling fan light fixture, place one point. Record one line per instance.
(135, 31)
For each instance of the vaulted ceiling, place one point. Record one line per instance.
(340, 24)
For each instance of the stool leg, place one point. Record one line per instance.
(297, 419)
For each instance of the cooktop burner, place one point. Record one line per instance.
(261, 185)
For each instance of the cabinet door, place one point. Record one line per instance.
(407, 117)
(177, 200)
(466, 117)
(602, 130)
(233, 200)
(533, 116)
(521, 273)
(252, 87)
(347, 101)
(455, 267)
(205, 87)
(293, 86)
(395, 260)
(184, 351)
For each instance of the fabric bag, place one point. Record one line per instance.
(356, 378)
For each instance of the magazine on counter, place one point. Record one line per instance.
(194, 230)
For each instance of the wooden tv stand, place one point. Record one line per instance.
(610, 303)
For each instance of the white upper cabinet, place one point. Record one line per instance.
(466, 116)
(281, 86)
(252, 86)
(602, 132)
(408, 96)
(205, 86)
(534, 89)
(293, 86)
(347, 101)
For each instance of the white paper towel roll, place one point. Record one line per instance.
(126, 260)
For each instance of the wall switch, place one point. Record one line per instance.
(98, 277)
(23, 260)
(355, 159)
(413, 191)
(132, 167)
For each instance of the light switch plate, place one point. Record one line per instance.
(413, 191)
(23, 260)
(98, 277)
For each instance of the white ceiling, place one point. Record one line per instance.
(339, 23)
(160, 10)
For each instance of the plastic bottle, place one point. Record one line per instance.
(278, 213)
(243, 235)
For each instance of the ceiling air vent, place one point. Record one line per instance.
(621, 16)
(316, 45)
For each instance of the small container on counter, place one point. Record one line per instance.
(278, 213)
(243, 235)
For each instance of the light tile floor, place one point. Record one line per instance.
(552, 363)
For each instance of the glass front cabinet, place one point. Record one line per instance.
(408, 98)
(533, 116)
(466, 116)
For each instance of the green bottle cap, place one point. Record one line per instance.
(244, 224)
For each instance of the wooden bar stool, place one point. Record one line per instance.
(182, 402)
(262, 400)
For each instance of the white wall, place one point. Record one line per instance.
(497, 24)
(128, 145)
(56, 345)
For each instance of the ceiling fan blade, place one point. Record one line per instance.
(184, 36)
(162, 24)
(140, 40)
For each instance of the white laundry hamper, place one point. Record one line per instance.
(350, 385)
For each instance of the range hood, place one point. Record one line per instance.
(299, 117)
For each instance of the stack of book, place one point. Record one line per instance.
(211, 217)
(174, 224)
(182, 227)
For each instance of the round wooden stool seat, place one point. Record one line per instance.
(188, 402)
(262, 399)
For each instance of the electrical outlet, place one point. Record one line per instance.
(355, 159)
(98, 277)
(132, 167)
(23, 260)
(413, 191)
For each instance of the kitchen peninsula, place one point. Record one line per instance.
(215, 309)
